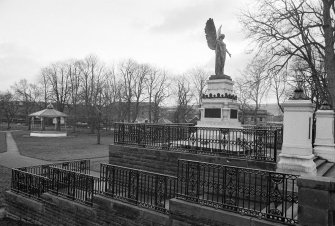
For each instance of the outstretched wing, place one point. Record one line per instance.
(210, 31)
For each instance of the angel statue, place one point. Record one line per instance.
(215, 42)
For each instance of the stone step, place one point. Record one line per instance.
(324, 168)
(330, 172)
(319, 162)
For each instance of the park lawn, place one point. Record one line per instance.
(3, 143)
(78, 146)
(5, 177)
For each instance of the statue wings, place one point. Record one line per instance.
(210, 31)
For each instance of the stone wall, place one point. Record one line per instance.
(316, 201)
(53, 210)
(194, 214)
(166, 162)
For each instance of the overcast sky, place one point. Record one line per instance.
(165, 33)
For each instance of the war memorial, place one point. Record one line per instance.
(215, 173)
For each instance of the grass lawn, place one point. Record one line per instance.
(5, 177)
(3, 144)
(75, 146)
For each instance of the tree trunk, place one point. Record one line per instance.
(329, 50)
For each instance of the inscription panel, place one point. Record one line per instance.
(212, 112)
(233, 113)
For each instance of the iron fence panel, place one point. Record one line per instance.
(248, 143)
(264, 194)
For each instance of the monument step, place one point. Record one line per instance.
(324, 168)
(319, 162)
(330, 173)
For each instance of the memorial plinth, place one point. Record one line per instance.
(324, 146)
(297, 152)
(219, 105)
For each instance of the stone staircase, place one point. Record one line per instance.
(324, 168)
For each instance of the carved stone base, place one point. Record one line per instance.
(296, 164)
(220, 124)
(212, 77)
(325, 151)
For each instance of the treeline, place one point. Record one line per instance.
(91, 91)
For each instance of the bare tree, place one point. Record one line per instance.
(44, 83)
(111, 92)
(184, 100)
(93, 75)
(281, 87)
(141, 73)
(156, 86)
(160, 93)
(199, 76)
(59, 80)
(297, 31)
(328, 14)
(9, 107)
(255, 82)
(74, 89)
(27, 94)
(128, 73)
(242, 91)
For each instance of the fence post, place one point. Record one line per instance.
(137, 185)
(169, 137)
(144, 135)
(113, 180)
(275, 146)
(106, 175)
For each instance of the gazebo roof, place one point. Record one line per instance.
(49, 112)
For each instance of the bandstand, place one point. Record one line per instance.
(49, 112)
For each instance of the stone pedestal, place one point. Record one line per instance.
(324, 140)
(297, 152)
(219, 105)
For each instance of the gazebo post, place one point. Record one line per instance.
(33, 125)
(43, 123)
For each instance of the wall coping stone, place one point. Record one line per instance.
(317, 182)
(132, 211)
(204, 214)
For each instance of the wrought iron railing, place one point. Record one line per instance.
(80, 166)
(263, 194)
(67, 179)
(29, 184)
(72, 185)
(142, 188)
(257, 144)
(279, 128)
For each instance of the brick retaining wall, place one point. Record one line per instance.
(53, 210)
(166, 162)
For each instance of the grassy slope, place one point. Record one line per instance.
(80, 146)
(3, 144)
(5, 177)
